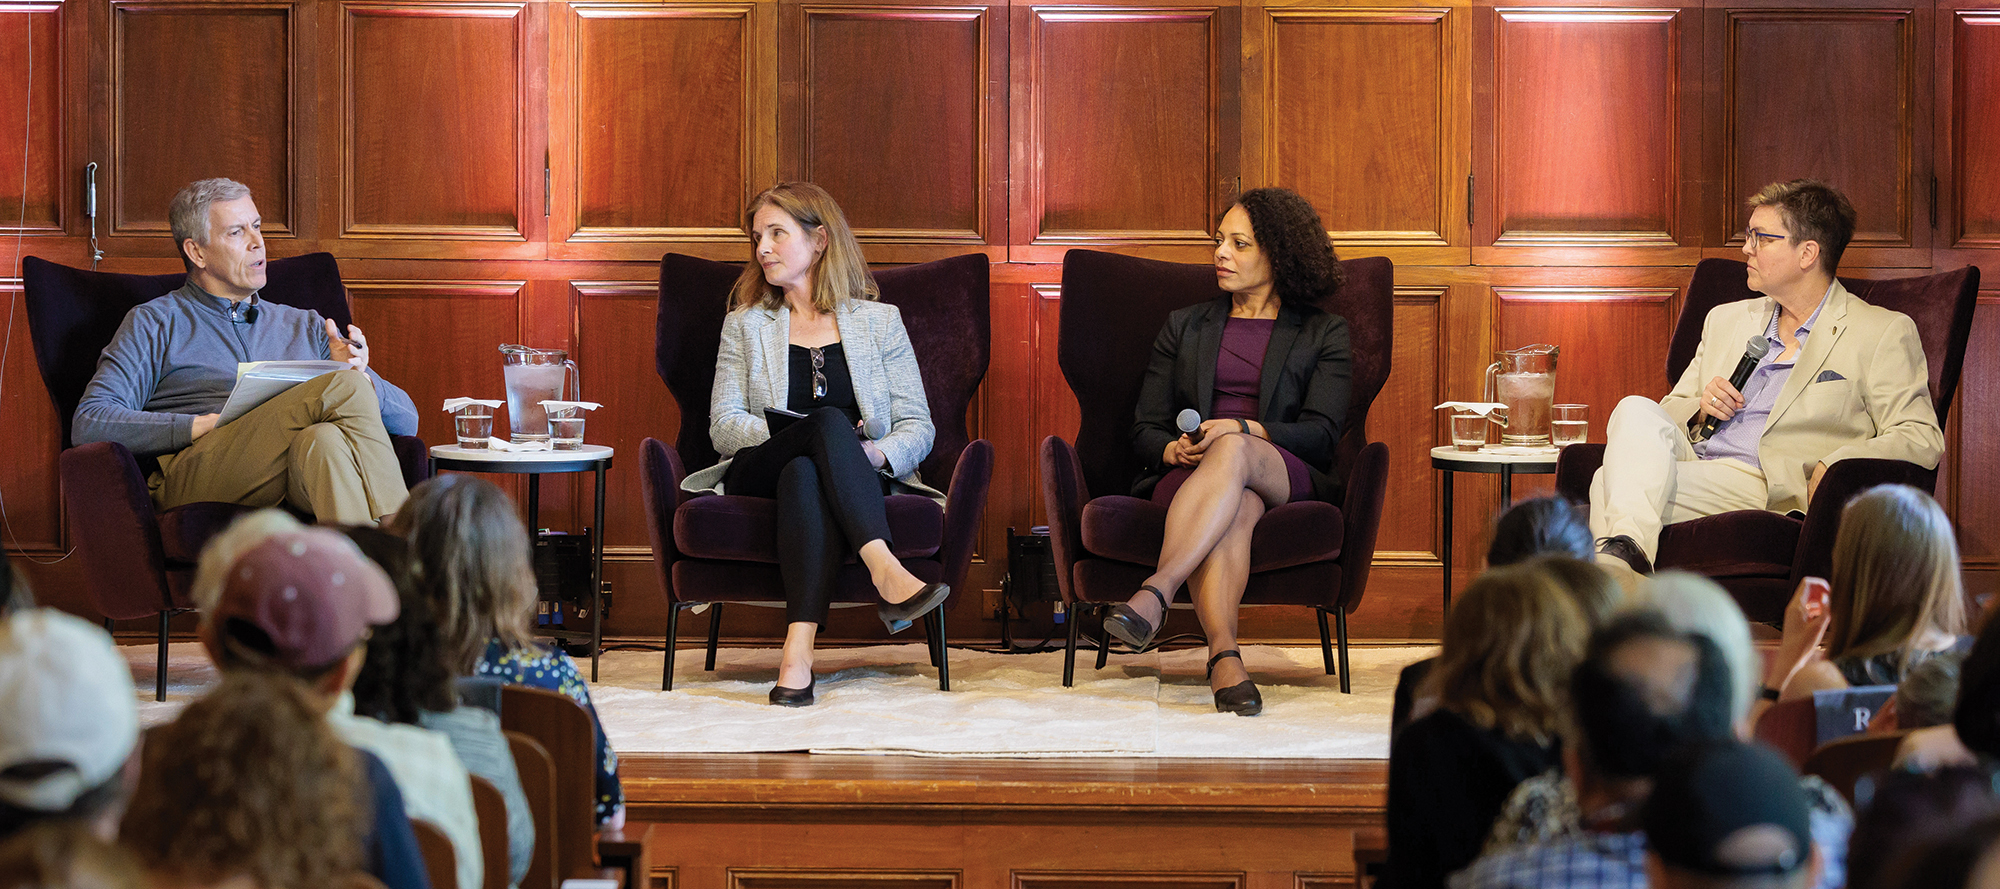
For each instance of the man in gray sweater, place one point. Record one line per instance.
(160, 385)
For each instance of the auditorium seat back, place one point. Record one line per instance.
(1107, 335)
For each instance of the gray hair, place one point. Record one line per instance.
(188, 213)
(1695, 604)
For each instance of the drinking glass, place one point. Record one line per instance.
(566, 430)
(1569, 424)
(1468, 430)
(474, 424)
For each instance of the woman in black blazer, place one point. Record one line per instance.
(1268, 372)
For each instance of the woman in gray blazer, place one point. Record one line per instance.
(1268, 373)
(818, 404)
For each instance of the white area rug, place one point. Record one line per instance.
(885, 699)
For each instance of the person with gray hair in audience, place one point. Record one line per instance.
(160, 387)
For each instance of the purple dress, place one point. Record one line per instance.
(1239, 369)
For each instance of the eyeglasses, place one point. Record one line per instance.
(819, 379)
(1756, 240)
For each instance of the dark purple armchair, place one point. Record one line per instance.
(713, 549)
(1760, 556)
(1106, 543)
(138, 562)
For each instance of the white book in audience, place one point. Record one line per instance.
(260, 381)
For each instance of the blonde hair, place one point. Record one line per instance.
(839, 273)
(473, 551)
(1509, 646)
(1895, 575)
(1694, 604)
(249, 781)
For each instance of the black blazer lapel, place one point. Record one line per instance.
(1207, 346)
(1283, 333)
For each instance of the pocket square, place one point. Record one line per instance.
(1828, 376)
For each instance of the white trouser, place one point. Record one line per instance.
(1652, 478)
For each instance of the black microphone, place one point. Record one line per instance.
(1753, 352)
(240, 315)
(1189, 423)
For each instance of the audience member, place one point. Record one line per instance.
(14, 594)
(301, 602)
(66, 854)
(1545, 807)
(1974, 732)
(1643, 690)
(1906, 813)
(68, 722)
(1968, 857)
(1500, 683)
(473, 551)
(249, 788)
(1928, 694)
(1728, 815)
(1895, 598)
(404, 680)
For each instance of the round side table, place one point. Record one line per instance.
(534, 464)
(1450, 460)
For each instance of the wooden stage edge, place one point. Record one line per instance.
(806, 821)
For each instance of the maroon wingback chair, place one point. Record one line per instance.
(1760, 556)
(138, 562)
(713, 549)
(1106, 543)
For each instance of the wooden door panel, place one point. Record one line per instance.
(1614, 339)
(1975, 125)
(31, 80)
(1403, 414)
(438, 340)
(174, 121)
(614, 353)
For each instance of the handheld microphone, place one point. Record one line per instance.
(874, 428)
(1189, 423)
(1753, 352)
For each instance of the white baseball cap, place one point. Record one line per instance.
(65, 697)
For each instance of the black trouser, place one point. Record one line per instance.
(829, 503)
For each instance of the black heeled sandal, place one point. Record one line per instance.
(1242, 698)
(1128, 627)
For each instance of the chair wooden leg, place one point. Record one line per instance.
(160, 674)
(1340, 622)
(673, 636)
(714, 632)
(931, 638)
(1325, 643)
(943, 651)
(1069, 651)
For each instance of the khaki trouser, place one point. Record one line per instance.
(319, 445)
(1652, 478)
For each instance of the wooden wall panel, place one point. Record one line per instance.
(435, 107)
(1865, 127)
(1056, 411)
(174, 122)
(1117, 122)
(1360, 112)
(1404, 414)
(1976, 450)
(31, 79)
(1614, 339)
(28, 483)
(895, 120)
(664, 122)
(1975, 117)
(614, 352)
(438, 340)
(1587, 132)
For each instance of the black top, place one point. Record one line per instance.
(1303, 386)
(1888, 668)
(839, 390)
(1447, 781)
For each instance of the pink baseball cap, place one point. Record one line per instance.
(311, 592)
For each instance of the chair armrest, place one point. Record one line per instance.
(1575, 467)
(964, 505)
(414, 457)
(1361, 513)
(1842, 481)
(1062, 497)
(660, 478)
(115, 531)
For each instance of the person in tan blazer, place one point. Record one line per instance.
(1842, 379)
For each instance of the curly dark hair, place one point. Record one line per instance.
(249, 781)
(1288, 230)
(405, 673)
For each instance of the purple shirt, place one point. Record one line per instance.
(1737, 437)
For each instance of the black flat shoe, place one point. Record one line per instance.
(1626, 550)
(1125, 624)
(898, 616)
(1242, 698)
(794, 697)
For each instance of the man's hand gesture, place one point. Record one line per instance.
(352, 348)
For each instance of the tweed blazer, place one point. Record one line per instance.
(753, 372)
(1860, 388)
